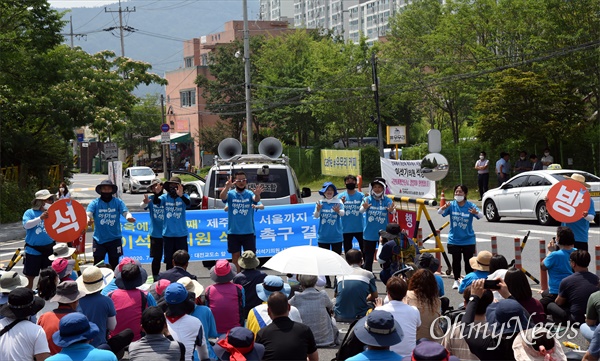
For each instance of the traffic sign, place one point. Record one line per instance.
(66, 220)
(111, 151)
(165, 127)
(396, 134)
(567, 200)
(165, 137)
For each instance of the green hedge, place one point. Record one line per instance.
(15, 200)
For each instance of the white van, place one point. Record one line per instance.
(271, 170)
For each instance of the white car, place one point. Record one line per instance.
(137, 179)
(524, 195)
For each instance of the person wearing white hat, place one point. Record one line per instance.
(581, 228)
(98, 308)
(38, 244)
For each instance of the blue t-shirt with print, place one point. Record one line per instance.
(559, 267)
(240, 212)
(107, 219)
(581, 228)
(473, 276)
(461, 223)
(175, 223)
(352, 221)
(376, 217)
(157, 218)
(330, 223)
(37, 235)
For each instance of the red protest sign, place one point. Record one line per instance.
(66, 220)
(567, 200)
(406, 220)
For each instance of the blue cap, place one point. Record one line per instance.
(175, 293)
(272, 284)
(327, 185)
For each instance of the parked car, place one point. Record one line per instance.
(524, 195)
(194, 188)
(137, 179)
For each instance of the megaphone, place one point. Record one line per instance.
(229, 148)
(271, 147)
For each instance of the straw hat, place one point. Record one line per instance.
(482, 261)
(579, 178)
(94, 279)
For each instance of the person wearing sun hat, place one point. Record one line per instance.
(10, 281)
(20, 337)
(376, 208)
(98, 308)
(201, 312)
(67, 296)
(105, 212)
(248, 278)
(329, 211)
(130, 301)
(38, 244)
(239, 341)
(258, 317)
(224, 298)
(481, 269)
(581, 227)
(183, 327)
(379, 331)
(64, 268)
(175, 231)
(74, 335)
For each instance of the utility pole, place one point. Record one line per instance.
(71, 33)
(375, 88)
(164, 151)
(249, 136)
(121, 28)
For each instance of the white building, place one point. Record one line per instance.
(347, 18)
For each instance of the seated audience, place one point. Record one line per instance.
(353, 292)
(423, 294)
(537, 344)
(154, 346)
(248, 278)
(498, 268)
(408, 317)
(591, 316)
(224, 298)
(379, 331)
(430, 350)
(316, 310)
(574, 291)
(239, 341)
(557, 263)
(518, 286)
(99, 309)
(285, 339)
(181, 259)
(481, 269)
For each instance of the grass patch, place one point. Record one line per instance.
(317, 184)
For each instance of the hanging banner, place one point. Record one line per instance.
(404, 178)
(340, 162)
(277, 228)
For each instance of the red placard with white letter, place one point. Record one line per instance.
(567, 200)
(66, 220)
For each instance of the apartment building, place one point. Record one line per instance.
(185, 105)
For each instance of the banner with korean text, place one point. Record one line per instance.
(340, 162)
(277, 228)
(404, 178)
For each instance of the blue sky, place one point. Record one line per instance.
(80, 3)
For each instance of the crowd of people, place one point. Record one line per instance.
(111, 310)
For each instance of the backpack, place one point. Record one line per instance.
(350, 346)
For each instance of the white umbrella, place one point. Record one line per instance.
(309, 260)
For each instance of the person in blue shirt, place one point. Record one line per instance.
(481, 269)
(378, 331)
(557, 263)
(105, 213)
(581, 227)
(157, 218)
(461, 237)
(352, 221)
(38, 244)
(174, 231)
(376, 208)
(240, 203)
(329, 211)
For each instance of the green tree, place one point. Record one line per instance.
(143, 123)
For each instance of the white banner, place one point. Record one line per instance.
(404, 178)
